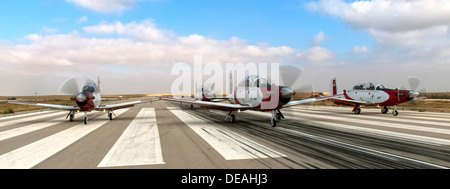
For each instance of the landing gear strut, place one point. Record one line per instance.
(231, 116)
(71, 115)
(85, 118)
(273, 121)
(395, 112)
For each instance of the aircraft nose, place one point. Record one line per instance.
(413, 94)
(81, 97)
(286, 94)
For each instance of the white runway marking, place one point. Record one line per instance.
(359, 148)
(30, 128)
(139, 144)
(358, 120)
(31, 118)
(23, 115)
(399, 135)
(229, 144)
(414, 118)
(32, 154)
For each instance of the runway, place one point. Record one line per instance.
(167, 135)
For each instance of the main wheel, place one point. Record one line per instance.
(273, 122)
(395, 113)
(357, 110)
(233, 118)
(384, 110)
(71, 117)
(110, 115)
(85, 120)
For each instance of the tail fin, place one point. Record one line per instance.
(333, 90)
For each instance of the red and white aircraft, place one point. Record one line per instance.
(374, 94)
(252, 93)
(87, 100)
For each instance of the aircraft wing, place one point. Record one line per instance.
(51, 106)
(352, 102)
(124, 105)
(212, 105)
(309, 100)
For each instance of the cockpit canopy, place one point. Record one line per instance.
(369, 86)
(254, 81)
(89, 87)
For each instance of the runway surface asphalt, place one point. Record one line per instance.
(167, 135)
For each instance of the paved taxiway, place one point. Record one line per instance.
(164, 135)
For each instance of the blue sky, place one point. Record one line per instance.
(378, 40)
(275, 22)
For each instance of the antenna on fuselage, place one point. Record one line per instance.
(98, 84)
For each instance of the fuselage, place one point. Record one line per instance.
(386, 97)
(88, 99)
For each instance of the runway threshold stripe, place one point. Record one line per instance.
(229, 144)
(32, 154)
(361, 149)
(416, 118)
(31, 118)
(23, 115)
(397, 135)
(30, 128)
(139, 144)
(375, 123)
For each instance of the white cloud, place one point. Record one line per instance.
(360, 49)
(319, 38)
(138, 50)
(82, 19)
(143, 31)
(105, 6)
(414, 28)
(387, 15)
(316, 54)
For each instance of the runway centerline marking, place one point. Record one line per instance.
(139, 144)
(32, 154)
(227, 143)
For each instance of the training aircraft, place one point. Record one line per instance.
(375, 94)
(253, 93)
(87, 100)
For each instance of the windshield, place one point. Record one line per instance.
(90, 87)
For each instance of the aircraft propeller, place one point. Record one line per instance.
(289, 77)
(72, 88)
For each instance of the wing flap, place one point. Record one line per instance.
(309, 100)
(212, 105)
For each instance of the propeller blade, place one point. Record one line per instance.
(89, 80)
(70, 87)
(305, 89)
(289, 75)
(413, 83)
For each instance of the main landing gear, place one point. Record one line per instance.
(71, 116)
(357, 109)
(385, 110)
(276, 117)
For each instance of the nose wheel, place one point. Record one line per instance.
(395, 112)
(85, 119)
(273, 121)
